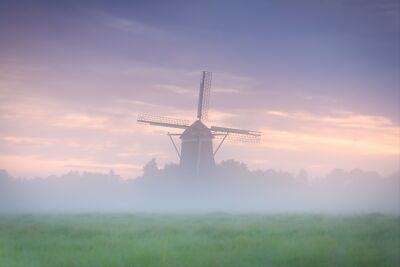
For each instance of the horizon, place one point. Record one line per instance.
(112, 173)
(231, 188)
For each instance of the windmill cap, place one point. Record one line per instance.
(197, 130)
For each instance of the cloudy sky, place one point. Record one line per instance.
(320, 79)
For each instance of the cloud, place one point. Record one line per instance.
(220, 90)
(345, 131)
(78, 120)
(347, 120)
(178, 90)
(131, 26)
(277, 113)
(309, 141)
(30, 166)
(23, 140)
(219, 117)
(130, 102)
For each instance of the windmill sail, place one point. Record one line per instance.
(234, 131)
(236, 135)
(204, 95)
(162, 121)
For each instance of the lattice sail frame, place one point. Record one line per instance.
(239, 138)
(145, 118)
(236, 135)
(206, 94)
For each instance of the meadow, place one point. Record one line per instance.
(199, 240)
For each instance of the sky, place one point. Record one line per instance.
(319, 79)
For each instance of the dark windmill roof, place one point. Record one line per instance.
(197, 130)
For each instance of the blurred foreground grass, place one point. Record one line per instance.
(199, 240)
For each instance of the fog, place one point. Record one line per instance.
(231, 187)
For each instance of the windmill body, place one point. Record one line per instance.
(197, 149)
(197, 153)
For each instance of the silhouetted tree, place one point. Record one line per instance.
(233, 166)
(302, 177)
(4, 179)
(151, 168)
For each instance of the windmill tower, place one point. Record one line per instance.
(197, 154)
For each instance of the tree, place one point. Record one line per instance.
(151, 168)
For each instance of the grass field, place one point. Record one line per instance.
(199, 240)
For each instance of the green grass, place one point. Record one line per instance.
(199, 240)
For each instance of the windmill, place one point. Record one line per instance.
(197, 154)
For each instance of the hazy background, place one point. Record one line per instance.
(232, 188)
(320, 79)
